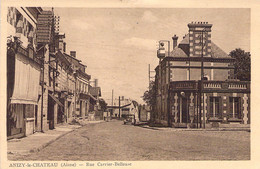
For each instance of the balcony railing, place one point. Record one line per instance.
(237, 86)
(226, 85)
(212, 86)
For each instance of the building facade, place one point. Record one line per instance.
(123, 107)
(45, 86)
(82, 98)
(196, 86)
(23, 72)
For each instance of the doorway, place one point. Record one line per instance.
(184, 110)
(50, 115)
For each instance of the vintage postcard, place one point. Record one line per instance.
(129, 84)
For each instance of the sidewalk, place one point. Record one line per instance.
(199, 129)
(37, 141)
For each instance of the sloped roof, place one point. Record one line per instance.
(60, 56)
(216, 51)
(83, 74)
(185, 40)
(67, 55)
(178, 52)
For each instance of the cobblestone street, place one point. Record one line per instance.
(115, 141)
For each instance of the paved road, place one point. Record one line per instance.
(113, 141)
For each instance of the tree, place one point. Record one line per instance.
(103, 104)
(242, 64)
(150, 95)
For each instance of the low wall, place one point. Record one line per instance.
(29, 126)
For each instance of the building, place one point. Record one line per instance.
(83, 98)
(45, 86)
(195, 83)
(61, 103)
(124, 106)
(95, 107)
(23, 72)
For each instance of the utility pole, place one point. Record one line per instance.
(165, 76)
(112, 101)
(202, 76)
(119, 107)
(149, 76)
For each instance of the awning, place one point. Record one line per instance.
(26, 81)
(92, 97)
(86, 96)
(117, 107)
(56, 100)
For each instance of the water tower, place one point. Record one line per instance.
(161, 51)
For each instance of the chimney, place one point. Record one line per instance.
(196, 30)
(96, 83)
(175, 40)
(64, 47)
(73, 54)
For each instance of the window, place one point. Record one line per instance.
(234, 107)
(215, 107)
(29, 110)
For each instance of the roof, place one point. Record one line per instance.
(72, 57)
(82, 64)
(92, 97)
(62, 58)
(178, 52)
(216, 51)
(95, 91)
(185, 40)
(83, 74)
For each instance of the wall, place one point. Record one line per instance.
(29, 128)
(181, 74)
(28, 19)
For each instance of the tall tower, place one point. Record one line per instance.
(199, 31)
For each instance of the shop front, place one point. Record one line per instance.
(209, 104)
(23, 79)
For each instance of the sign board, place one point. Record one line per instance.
(44, 25)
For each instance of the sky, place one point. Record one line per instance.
(117, 44)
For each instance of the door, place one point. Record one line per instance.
(185, 110)
(16, 123)
(36, 117)
(50, 115)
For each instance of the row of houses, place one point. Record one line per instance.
(46, 86)
(196, 85)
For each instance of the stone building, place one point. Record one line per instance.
(45, 86)
(82, 96)
(23, 72)
(195, 83)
